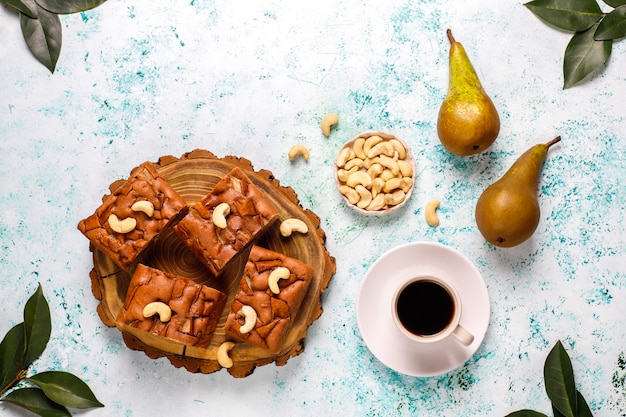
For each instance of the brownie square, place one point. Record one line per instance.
(275, 312)
(144, 185)
(195, 309)
(250, 214)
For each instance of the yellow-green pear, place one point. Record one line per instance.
(507, 212)
(468, 122)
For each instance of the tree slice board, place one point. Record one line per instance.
(194, 175)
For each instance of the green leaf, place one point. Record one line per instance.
(615, 3)
(570, 15)
(69, 6)
(34, 399)
(11, 355)
(65, 389)
(43, 37)
(526, 413)
(28, 7)
(584, 56)
(559, 380)
(583, 407)
(613, 26)
(37, 326)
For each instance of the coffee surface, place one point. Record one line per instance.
(425, 308)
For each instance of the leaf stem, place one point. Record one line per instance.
(18, 377)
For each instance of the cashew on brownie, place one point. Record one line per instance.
(194, 310)
(270, 293)
(130, 219)
(226, 221)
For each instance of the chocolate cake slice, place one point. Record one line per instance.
(130, 219)
(226, 221)
(273, 285)
(193, 309)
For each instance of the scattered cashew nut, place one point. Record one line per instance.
(249, 315)
(430, 212)
(328, 121)
(277, 274)
(287, 227)
(223, 359)
(297, 150)
(219, 215)
(160, 308)
(122, 226)
(145, 206)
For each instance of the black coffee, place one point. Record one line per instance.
(425, 308)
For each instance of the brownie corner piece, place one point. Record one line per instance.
(246, 214)
(194, 309)
(133, 215)
(275, 302)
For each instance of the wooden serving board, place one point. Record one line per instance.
(193, 175)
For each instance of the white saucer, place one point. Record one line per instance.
(373, 308)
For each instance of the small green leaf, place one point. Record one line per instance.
(526, 413)
(69, 6)
(583, 407)
(43, 37)
(33, 399)
(37, 326)
(613, 26)
(615, 3)
(11, 355)
(559, 380)
(66, 389)
(571, 15)
(584, 56)
(28, 7)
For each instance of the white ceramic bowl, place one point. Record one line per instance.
(357, 156)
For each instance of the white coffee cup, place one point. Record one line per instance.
(427, 309)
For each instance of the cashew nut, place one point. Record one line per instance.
(375, 170)
(160, 308)
(344, 156)
(405, 168)
(359, 177)
(377, 203)
(399, 147)
(350, 193)
(388, 162)
(287, 227)
(298, 150)
(365, 196)
(371, 142)
(382, 148)
(391, 184)
(249, 315)
(395, 198)
(223, 359)
(430, 212)
(219, 215)
(145, 206)
(122, 226)
(277, 274)
(377, 186)
(358, 148)
(353, 163)
(328, 121)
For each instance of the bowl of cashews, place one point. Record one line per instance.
(375, 173)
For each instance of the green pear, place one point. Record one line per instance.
(507, 212)
(468, 122)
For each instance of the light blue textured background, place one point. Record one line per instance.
(140, 79)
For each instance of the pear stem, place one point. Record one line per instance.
(450, 37)
(553, 141)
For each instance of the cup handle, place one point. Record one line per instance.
(463, 335)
